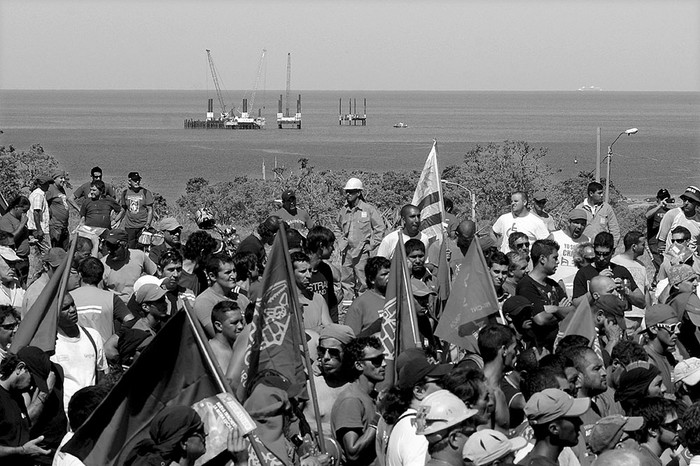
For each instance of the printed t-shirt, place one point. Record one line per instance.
(97, 212)
(530, 224)
(135, 203)
(58, 206)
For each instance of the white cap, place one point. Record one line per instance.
(353, 183)
(146, 279)
(486, 446)
(440, 410)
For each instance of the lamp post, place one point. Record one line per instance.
(471, 195)
(628, 132)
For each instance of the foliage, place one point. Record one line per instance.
(19, 169)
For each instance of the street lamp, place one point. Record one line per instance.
(628, 132)
(471, 195)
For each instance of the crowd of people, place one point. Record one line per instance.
(522, 389)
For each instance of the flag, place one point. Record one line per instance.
(172, 370)
(443, 272)
(472, 298)
(399, 323)
(39, 326)
(428, 198)
(275, 338)
(580, 322)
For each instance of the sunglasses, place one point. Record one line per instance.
(670, 328)
(603, 253)
(678, 240)
(376, 361)
(522, 245)
(11, 326)
(332, 352)
(672, 426)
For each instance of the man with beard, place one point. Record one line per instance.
(456, 248)
(663, 328)
(519, 219)
(410, 216)
(661, 428)
(549, 300)
(331, 373)
(354, 415)
(123, 265)
(364, 311)
(687, 215)
(297, 218)
(568, 238)
(540, 200)
(604, 247)
(171, 229)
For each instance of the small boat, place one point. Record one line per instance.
(401, 124)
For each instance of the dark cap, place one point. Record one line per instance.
(610, 304)
(272, 223)
(692, 193)
(288, 194)
(663, 194)
(38, 364)
(417, 367)
(134, 176)
(54, 257)
(114, 236)
(515, 304)
(539, 196)
(44, 179)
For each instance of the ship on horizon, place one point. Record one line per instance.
(590, 88)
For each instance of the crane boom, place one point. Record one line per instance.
(215, 78)
(289, 79)
(257, 79)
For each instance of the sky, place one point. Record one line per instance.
(504, 45)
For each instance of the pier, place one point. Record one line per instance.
(352, 118)
(226, 120)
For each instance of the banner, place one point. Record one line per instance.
(428, 198)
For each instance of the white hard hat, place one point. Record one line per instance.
(353, 183)
(440, 410)
(486, 446)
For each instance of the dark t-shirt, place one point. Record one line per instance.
(252, 244)
(9, 223)
(541, 295)
(588, 272)
(83, 192)
(136, 203)
(58, 206)
(14, 421)
(321, 282)
(97, 213)
(654, 222)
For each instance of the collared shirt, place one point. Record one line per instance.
(360, 225)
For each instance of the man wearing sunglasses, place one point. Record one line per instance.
(83, 192)
(687, 215)
(663, 328)
(9, 321)
(354, 415)
(660, 431)
(570, 236)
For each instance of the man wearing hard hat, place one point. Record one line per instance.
(361, 231)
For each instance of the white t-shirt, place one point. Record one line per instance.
(406, 448)
(530, 224)
(388, 244)
(566, 270)
(78, 359)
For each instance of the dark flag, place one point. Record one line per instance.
(472, 298)
(580, 322)
(275, 337)
(172, 370)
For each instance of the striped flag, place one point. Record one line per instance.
(428, 198)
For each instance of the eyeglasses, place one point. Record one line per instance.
(11, 326)
(602, 253)
(375, 361)
(332, 352)
(670, 328)
(676, 240)
(96, 177)
(672, 426)
(522, 245)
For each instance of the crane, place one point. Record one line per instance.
(215, 78)
(257, 79)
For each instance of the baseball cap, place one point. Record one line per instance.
(145, 280)
(607, 432)
(44, 179)
(663, 194)
(266, 402)
(148, 293)
(169, 224)
(114, 236)
(578, 214)
(540, 196)
(38, 364)
(659, 313)
(687, 371)
(420, 288)
(8, 254)
(691, 192)
(416, 367)
(611, 304)
(272, 223)
(551, 404)
(54, 257)
(441, 410)
(58, 173)
(486, 446)
(515, 305)
(680, 273)
(288, 194)
(134, 176)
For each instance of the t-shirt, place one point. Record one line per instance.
(406, 448)
(585, 274)
(205, 302)
(388, 244)
(321, 282)
(136, 203)
(58, 206)
(37, 201)
(326, 399)
(84, 191)
(638, 272)
(566, 270)
(654, 222)
(676, 218)
(97, 212)
(14, 425)
(353, 410)
(301, 221)
(540, 295)
(364, 311)
(10, 223)
(121, 278)
(530, 224)
(314, 309)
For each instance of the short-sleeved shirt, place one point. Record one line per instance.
(97, 212)
(58, 206)
(353, 410)
(10, 223)
(14, 424)
(530, 224)
(121, 280)
(37, 201)
(301, 221)
(84, 191)
(585, 274)
(136, 203)
(321, 282)
(313, 309)
(654, 222)
(388, 244)
(364, 311)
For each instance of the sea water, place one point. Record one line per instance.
(123, 131)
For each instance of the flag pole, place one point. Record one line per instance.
(295, 308)
(411, 308)
(219, 377)
(66, 272)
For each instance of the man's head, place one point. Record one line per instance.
(302, 270)
(83, 250)
(680, 236)
(332, 349)
(367, 357)
(609, 310)
(96, 173)
(417, 374)
(59, 178)
(91, 271)
(353, 191)
(221, 271)
(601, 285)
(171, 229)
(518, 312)
(246, 266)
(153, 304)
(134, 181)
(498, 266)
(9, 321)
(498, 341)
(43, 182)
(170, 269)
(320, 241)
(592, 379)
(377, 273)
(116, 243)
(83, 403)
(577, 222)
(604, 247)
(68, 315)
(691, 201)
(518, 202)
(540, 201)
(556, 416)
(15, 373)
(595, 193)
(415, 254)
(660, 422)
(227, 319)
(289, 201)
(663, 325)
(465, 234)
(268, 229)
(52, 259)
(519, 242)
(517, 264)
(638, 382)
(545, 256)
(634, 242)
(198, 246)
(410, 217)
(541, 379)
(97, 189)
(609, 432)
(444, 419)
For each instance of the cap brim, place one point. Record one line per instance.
(517, 443)
(440, 370)
(8, 254)
(578, 408)
(633, 424)
(39, 382)
(694, 318)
